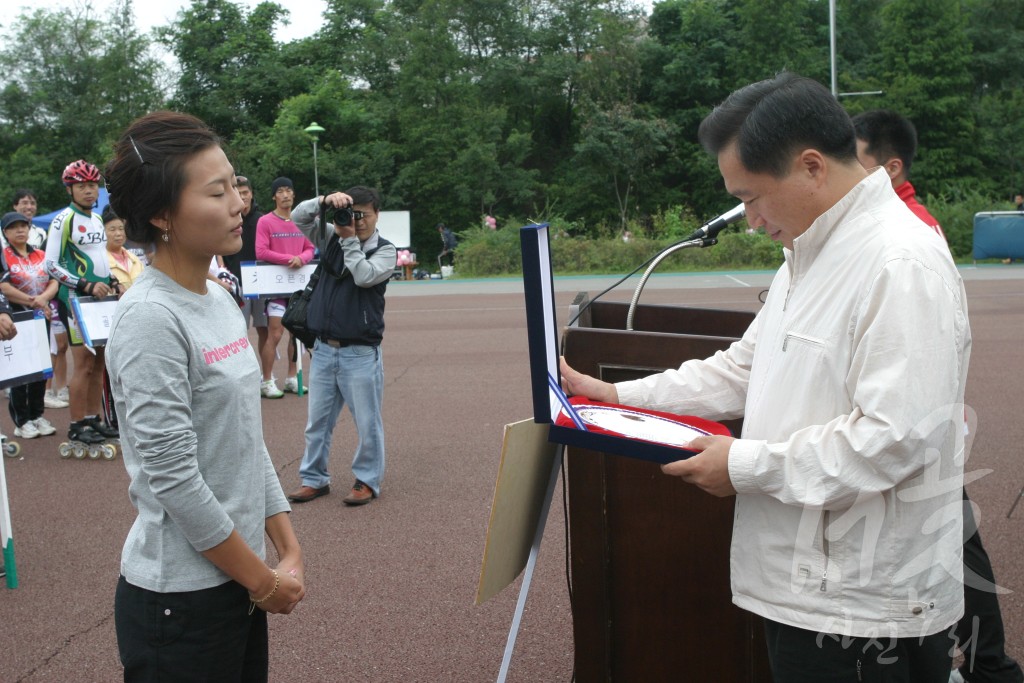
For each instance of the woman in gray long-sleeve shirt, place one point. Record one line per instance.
(185, 382)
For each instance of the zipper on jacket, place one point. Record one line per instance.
(860, 674)
(824, 550)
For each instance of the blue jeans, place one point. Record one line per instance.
(352, 375)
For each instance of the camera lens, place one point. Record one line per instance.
(341, 216)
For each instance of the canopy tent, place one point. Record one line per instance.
(44, 220)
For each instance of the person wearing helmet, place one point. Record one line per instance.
(76, 256)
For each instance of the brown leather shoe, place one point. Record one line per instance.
(304, 494)
(361, 494)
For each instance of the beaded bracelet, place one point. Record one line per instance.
(277, 583)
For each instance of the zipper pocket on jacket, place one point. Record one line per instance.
(807, 339)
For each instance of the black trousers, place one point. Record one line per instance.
(204, 636)
(27, 402)
(800, 656)
(980, 632)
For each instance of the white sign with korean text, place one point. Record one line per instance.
(266, 279)
(26, 358)
(94, 318)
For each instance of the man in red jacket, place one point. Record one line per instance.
(886, 139)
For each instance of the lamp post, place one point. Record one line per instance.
(314, 132)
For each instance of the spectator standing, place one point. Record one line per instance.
(347, 314)
(888, 140)
(184, 379)
(851, 383)
(278, 241)
(76, 256)
(27, 286)
(254, 310)
(125, 266)
(25, 204)
(448, 245)
(880, 134)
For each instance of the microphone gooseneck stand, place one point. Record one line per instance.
(701, 242)
(704, 236)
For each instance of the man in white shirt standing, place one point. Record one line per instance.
(848, 473)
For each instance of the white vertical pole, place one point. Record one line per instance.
(531, 564)
(6, 535)
(832, 44)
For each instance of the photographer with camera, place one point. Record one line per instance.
(347, 314)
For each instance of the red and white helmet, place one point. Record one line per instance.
(80, 171)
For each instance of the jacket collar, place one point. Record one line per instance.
(864, 195)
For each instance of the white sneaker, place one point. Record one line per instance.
(52, 400)
(44, 427)
(26, 431)
(291, 385)
(269, 390)
(64, 395)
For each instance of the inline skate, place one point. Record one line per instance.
(11, 449)
(84, 440)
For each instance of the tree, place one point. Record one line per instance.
(928, 82)
(619, 148)
(74, 82)
(234, 76)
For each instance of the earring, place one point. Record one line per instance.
(165, 237)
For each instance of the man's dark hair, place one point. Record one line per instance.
(21, 193)
(772, 120)
(361, 194)
(887, 135)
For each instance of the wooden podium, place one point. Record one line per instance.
(649, 553)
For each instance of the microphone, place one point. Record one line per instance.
(714, 226)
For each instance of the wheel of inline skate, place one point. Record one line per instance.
(64, 450)
(12, 449)
(78, 450)
(93, 451)
(108, 451)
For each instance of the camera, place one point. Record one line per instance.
(341, 216)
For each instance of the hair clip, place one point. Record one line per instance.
(136, 148)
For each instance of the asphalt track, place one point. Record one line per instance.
(391, 585)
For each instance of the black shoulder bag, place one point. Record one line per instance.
(296, 313)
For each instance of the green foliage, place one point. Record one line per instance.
(955, 209)
(583, 113)
(484, 252)
(73, 81)
(233, 74)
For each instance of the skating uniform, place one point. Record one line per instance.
(76, 253)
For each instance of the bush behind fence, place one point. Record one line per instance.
(484, 252)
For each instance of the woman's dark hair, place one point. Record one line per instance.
(773, 119)
(364, 195)
(108, 215)
(147, 174)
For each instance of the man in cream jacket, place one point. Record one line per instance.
(849, 470)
